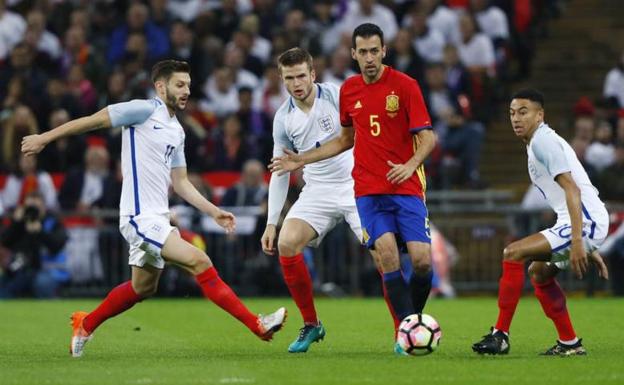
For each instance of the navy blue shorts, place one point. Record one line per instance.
(404, 215)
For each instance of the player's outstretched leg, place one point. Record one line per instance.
(565, 350)
(118, 300)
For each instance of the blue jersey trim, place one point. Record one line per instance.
(319, 93)
(135, 178)
(416, 130)
(561, 247)
(146, 239)
(593, 224)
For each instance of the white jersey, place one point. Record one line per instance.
(152, 144)
(300, 131)
(550, 155)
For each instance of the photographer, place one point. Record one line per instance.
(35, 240)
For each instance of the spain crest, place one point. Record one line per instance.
(392, 105)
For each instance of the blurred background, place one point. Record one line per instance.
(60, 60)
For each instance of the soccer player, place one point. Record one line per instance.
(306, 120)
(152, 159)
(384, 118)
(581, 227)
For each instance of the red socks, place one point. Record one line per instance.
(553, 302)
(118, 300)
(297, 278)
(222, 295)
(509, 292)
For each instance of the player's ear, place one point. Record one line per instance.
(313, 75)
(353, 54)
(383, 51)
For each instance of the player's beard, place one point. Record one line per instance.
(172, 101)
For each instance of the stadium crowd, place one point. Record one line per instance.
(60, 60)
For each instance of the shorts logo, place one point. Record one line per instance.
(392, 105)
(156, 228)
(326, 124)
(365, 236)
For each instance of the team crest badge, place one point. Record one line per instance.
(326, 124)
(392, 105)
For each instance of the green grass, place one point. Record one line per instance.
(190, 341)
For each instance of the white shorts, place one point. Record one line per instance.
(146, 234)
(324, 206)
(559, 237)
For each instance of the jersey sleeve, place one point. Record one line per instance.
(178, 159)
(550, 153)
(417, 114)
(133, 112)
(345, 118)
(280, 138)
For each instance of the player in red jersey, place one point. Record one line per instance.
(384, 118)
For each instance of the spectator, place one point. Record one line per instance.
(231, 150)
(369, 11)
(22, 64)
(614, 82)
(35, 239)
(271, 94)
(251, 190)
(255, 125)
(321, 27)
(244, 41)
(26, 180)
(584, 127)
(41, 39)
(579, 145)
(340, 67)
(404, 56)
(611, 181)
(20, 123)
(492, 21)
(82, 89)
(260, 47)
(441, 18)
(221, 94)
(12, 28)
(475, 49)
(64, 153)
(457, 77)
(78, 51)
(601, 153)
(137, 21)
(91, 187)
(429, 42)
(227, 19)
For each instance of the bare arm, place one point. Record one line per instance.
(399, 173)
(33, 144)
(292, 161)
(185, 189)
(578, 256)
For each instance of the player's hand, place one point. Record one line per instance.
(268, 239)
(399, 173)
(33, 144)
(290, 161)
(578, 259)
(597, 260)
(225, 219)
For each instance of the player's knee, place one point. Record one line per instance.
(200, 262)
(289, 245)
(422, 267)
(512, 253)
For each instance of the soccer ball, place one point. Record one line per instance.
(419, 334)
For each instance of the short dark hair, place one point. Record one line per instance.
(293, 57)
(367, 30)
(165, 68)
(530, 94)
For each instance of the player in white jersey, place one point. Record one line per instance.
(152, 161)
(582, 223)
(306, 120)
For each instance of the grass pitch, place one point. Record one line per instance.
(191, 341)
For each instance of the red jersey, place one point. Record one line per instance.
(386, 115)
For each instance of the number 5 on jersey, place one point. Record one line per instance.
(375, 126)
